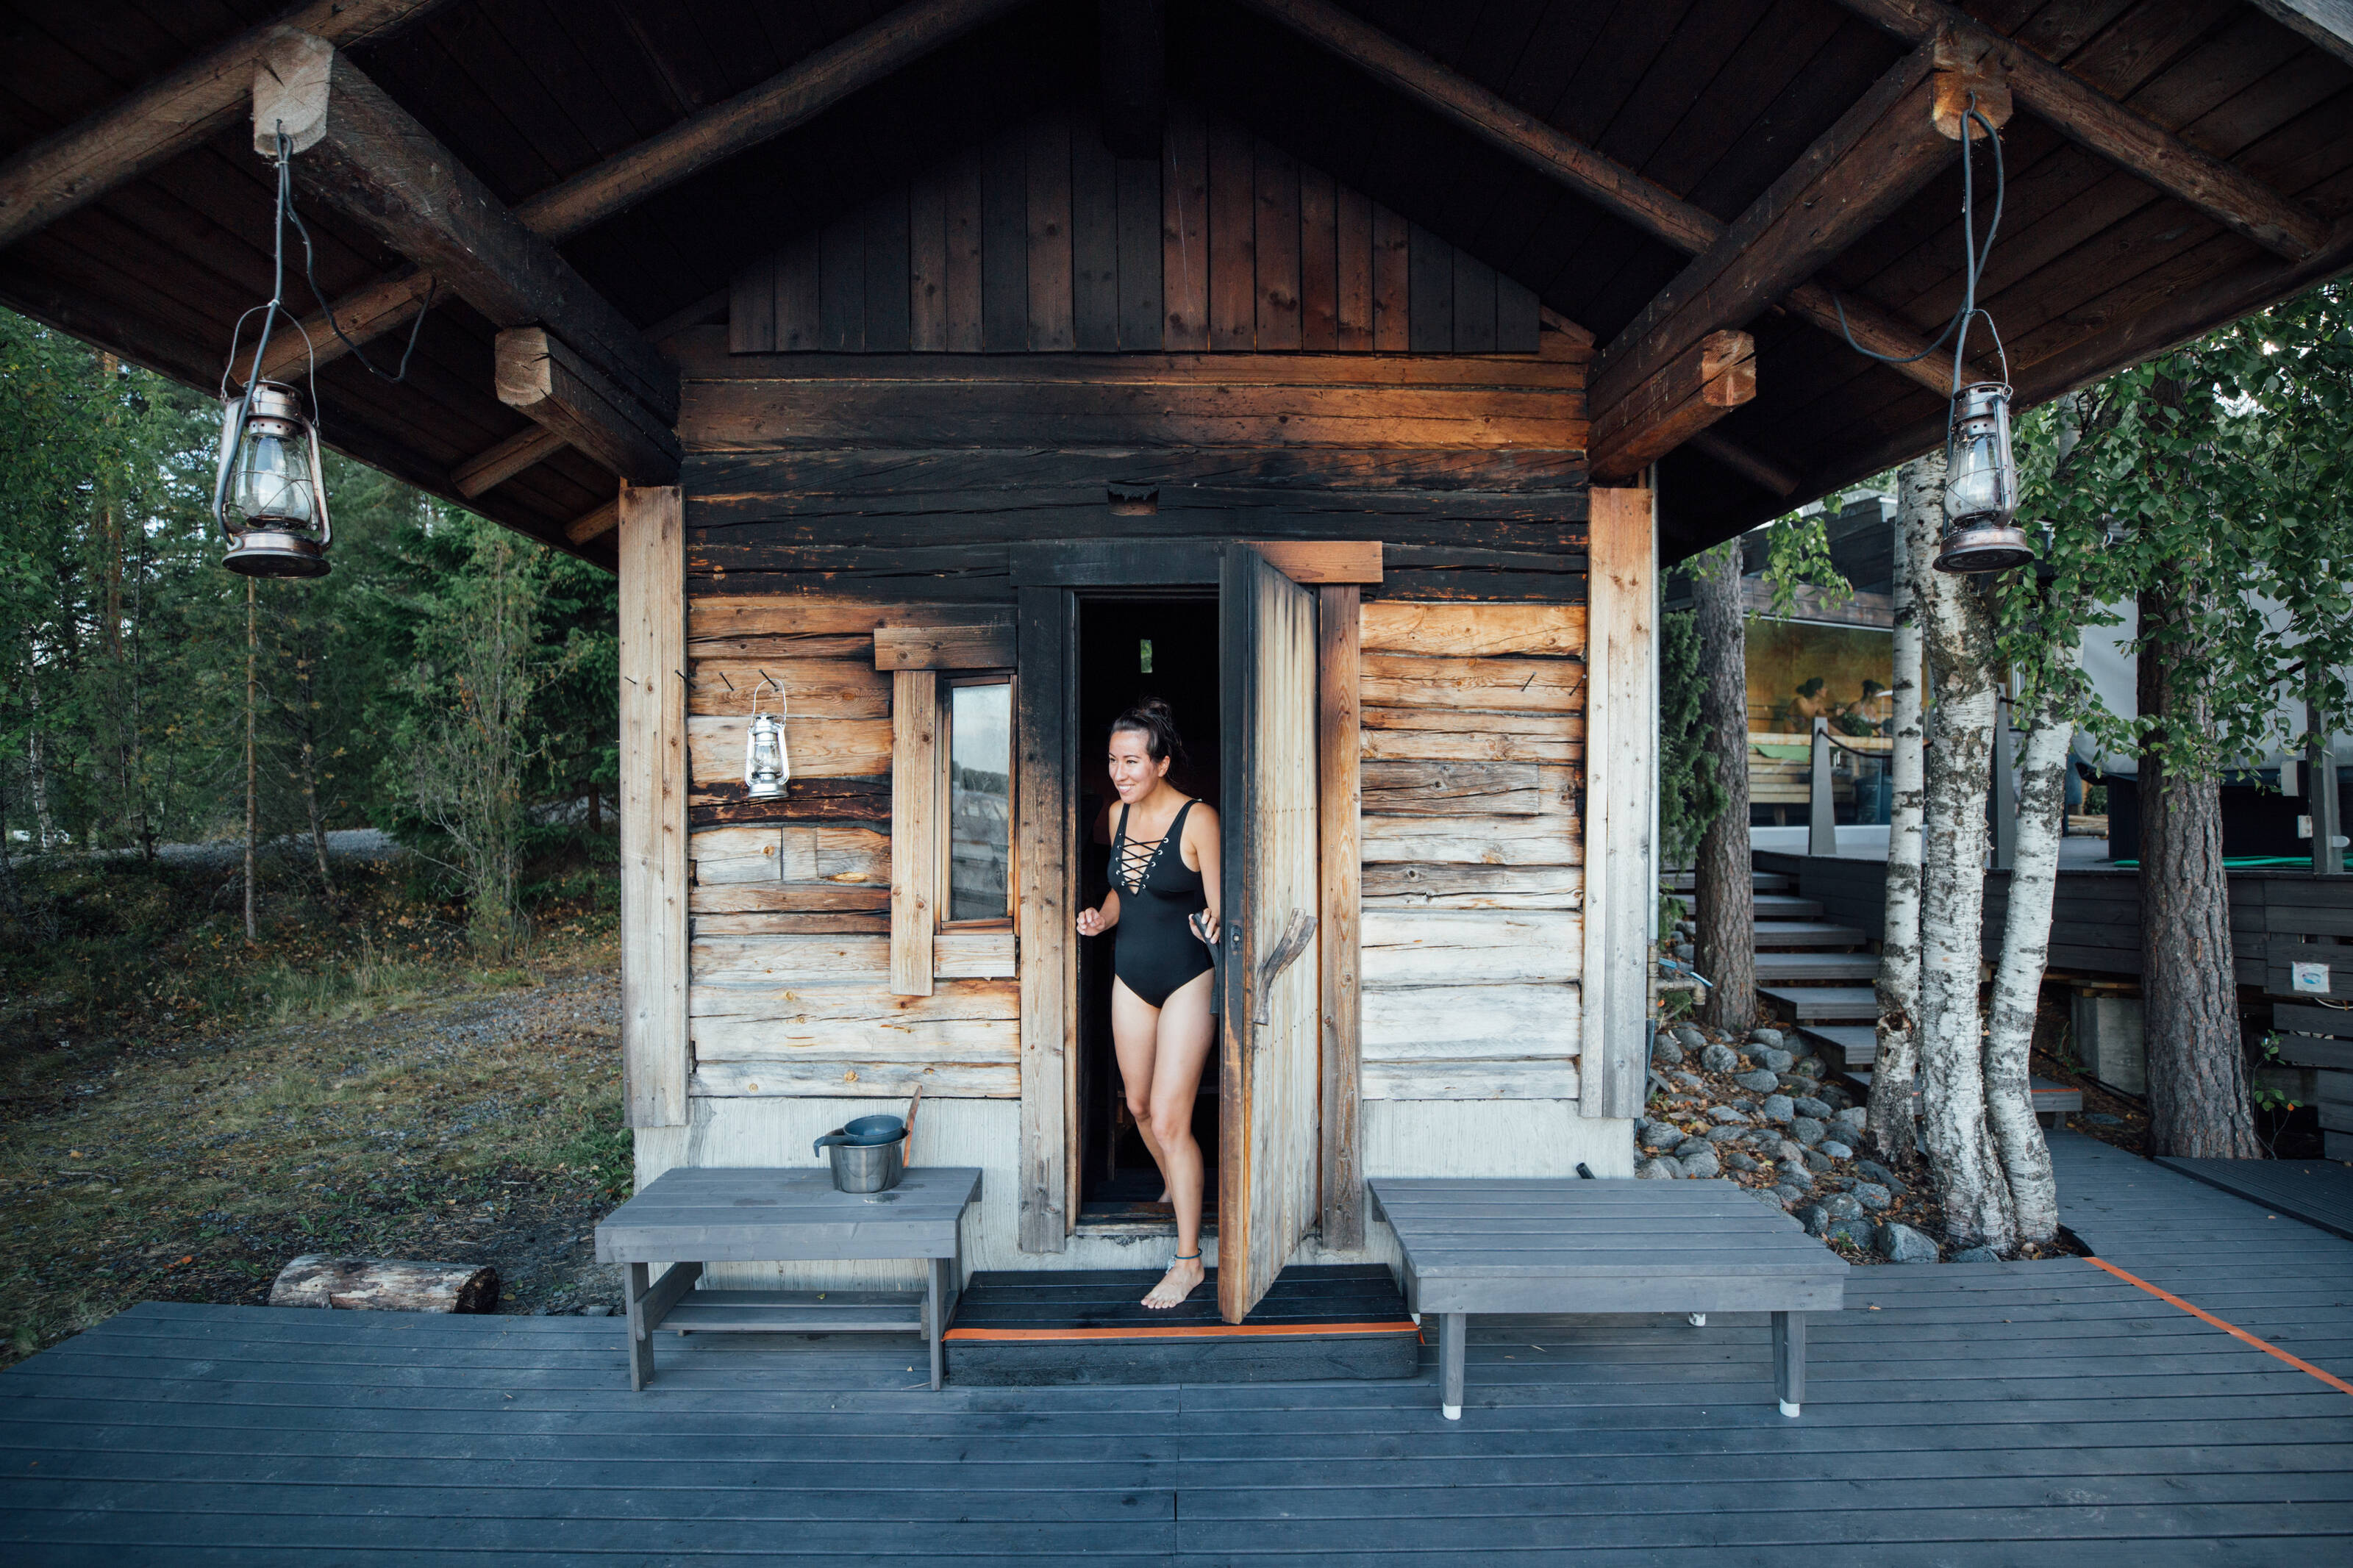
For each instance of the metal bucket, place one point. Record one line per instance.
(867, 1167)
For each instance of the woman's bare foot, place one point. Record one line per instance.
(1163, 1197)
(1176, 1284)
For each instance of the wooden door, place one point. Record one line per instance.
(1269, 1074)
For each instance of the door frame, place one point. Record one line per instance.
(1049, 580)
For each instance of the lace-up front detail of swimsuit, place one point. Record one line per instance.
(1156, 950)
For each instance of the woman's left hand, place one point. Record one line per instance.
(1205, 926)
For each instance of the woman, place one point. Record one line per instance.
(1164, 898)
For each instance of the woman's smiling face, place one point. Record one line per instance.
(1132, 772)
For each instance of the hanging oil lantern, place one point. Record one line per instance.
(1981, 486)
(269, 495)
(766, 764)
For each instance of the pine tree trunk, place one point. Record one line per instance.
(1722, 889)
(309, 724)
(252, 807)
(1895, 1061)
(2197, 1069)
(2018, 978)
(1957, 637)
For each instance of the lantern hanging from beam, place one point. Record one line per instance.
(1981, 486)
(767, 766)
(269, 495)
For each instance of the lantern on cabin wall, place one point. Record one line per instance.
(1981, 486)
(767, 766)
(269, 495)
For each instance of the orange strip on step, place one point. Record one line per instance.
(1187, 1331)
(2338, 1384)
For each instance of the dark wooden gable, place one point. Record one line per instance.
(1043, 240)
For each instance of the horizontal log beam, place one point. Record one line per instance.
(540, 377)
(2088, 117)
(758, 114)
(590, 525)
(505, 460)
(370, 159)
(157, 124)
(1756, 468)
(366, 313)
(1862, 169)
(1596, 176)
(1700, 386)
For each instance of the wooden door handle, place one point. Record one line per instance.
(1296, 935)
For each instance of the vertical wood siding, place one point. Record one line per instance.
(1043, 240)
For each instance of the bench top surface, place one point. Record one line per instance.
(1572, 1229)
(727, 1214)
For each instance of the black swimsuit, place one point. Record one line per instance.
(1156, 951)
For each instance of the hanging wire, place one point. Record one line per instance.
(1974, 256)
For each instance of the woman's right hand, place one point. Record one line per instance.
(1092, 922)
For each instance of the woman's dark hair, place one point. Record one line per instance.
(1157, 723)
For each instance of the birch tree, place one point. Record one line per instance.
(1895, 1060)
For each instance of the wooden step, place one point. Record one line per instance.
(2048, 1098)
(1776, 967)
(1787, 907)
(1812, 1004)
(1806, 933)
(1759, 881)
(1854, 1045)
(1036, 1327)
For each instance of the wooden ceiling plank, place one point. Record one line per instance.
(1134, 64)
(51, 178)
(540, 376)
(369, 158)
(1698, 387)
(2084, 114)
(2327, 23)
(1881, 151)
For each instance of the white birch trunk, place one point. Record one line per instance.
(2018, 978)
(1896, 1062)
(1959, 642)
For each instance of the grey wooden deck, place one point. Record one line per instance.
(1993, 1414)
(2318, 1192)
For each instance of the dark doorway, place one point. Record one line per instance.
(1131, 648)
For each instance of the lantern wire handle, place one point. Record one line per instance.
(770, 683)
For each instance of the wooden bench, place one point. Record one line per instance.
(691, 1218)
(1565, 1245)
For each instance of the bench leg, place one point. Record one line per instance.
(1698, 1320)
(1451, 1332)
(936, 1304)
(640, 1332)
(1790, 1360)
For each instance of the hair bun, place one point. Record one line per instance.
(1157, 707)
(1157, 723)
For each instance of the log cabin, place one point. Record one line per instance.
(1343, 374)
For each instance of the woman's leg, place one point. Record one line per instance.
(1187, 1032)
(1136, 1038)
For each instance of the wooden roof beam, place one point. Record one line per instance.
(1754, 467)
(1700, 386)
(157, 124)
(1599, 178)
(540, 377)
(755, 115)
(530, 445)
(2124, 136)
(363, 153)
(1878, 153)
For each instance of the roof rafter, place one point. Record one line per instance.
(2088, 117)
(160, 121)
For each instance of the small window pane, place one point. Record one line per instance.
(980, 801)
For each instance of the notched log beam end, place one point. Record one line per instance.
(1690, 393)
(540, 377)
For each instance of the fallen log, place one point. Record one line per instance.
(386, 1285)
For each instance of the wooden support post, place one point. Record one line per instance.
(2320, 793)
(540, 376)
(1822, 812)
(184, 110)
(373, 161)
(653, 790)
(1700, 386)
(1045, 691)
(502, 462)
(1454, 1328)
(1856, 174)
(1620, 784)
(916, 771)
(2088, 117)
(1339, 777)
